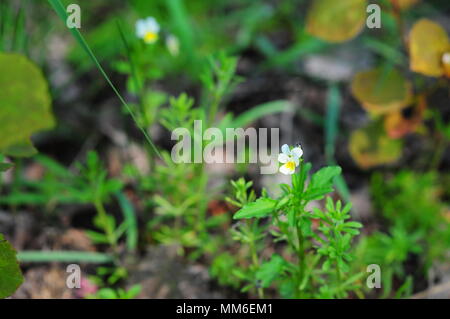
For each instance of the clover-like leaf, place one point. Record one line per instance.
(428, 46)
(25, 101)
(382, 91)
(370, 146)
(10, 274)
(336, 21)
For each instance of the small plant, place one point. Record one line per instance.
(315, 263)
(119, 293)
(417, 229)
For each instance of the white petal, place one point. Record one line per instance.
(446, 58)
(297, 152)
(297, 161)
(140, 28)
(152, 25)
(283, 158)
(286, 170)
(285, 149)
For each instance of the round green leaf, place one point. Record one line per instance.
(25, 100)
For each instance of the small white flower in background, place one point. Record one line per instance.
(446, 58)
(446, 63)
(173, 45)
(147, 29)
(290, 159)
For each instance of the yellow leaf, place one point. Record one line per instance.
(370, 146)
(336, 20)
(428, 42)
(381, 91)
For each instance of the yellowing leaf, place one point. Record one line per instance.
(336, 20)
(21, 149)
(381, 91)
(24, 99)
(397, 125)
(404, 4)
(370, 146)
(428, 42)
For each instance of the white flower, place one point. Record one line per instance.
(290, 159)
(446, 58)
(147, 29)
(173, 45)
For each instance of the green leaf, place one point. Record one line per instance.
(324, 176)
(305, 224)
(259, 111)
(5, 166)
(22, 149)
(25, 101)
(130, 219)
(10, 274)
(270, 270)
(260, 208)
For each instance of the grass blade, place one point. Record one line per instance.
(60, 10)
(334, 101)
(130, 220)
(63, 256)
(261, 110)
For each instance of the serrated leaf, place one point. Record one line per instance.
(258, 209)
(370, 146)
(25, 100)
(324, 176)
(336, 21)
(10, 274)
(382, 91)
(428, 42)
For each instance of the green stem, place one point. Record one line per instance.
(109, 232)
(338, 281)
(301, 257)
(255, 262)
(439, 151)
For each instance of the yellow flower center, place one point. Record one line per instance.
(150, 37)
(290, 165)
